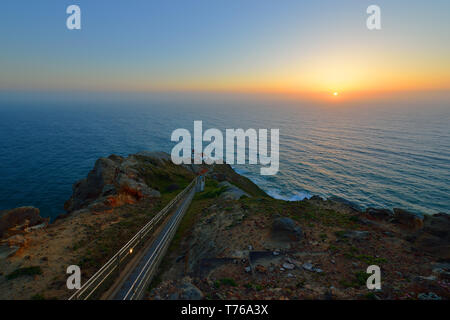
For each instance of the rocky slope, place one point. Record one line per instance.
(256, 247)
(235, 242)
(105, 210)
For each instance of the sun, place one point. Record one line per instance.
(335, 94)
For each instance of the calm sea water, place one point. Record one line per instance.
(384, 156)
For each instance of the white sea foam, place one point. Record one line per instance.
(297, 196)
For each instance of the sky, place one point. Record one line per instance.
(310, 48)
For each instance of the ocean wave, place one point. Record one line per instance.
(273, 192)
(297, 196)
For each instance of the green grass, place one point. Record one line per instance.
(27, 271)
(361, 277)
(225, 282)
(239, 181)
(186, 225)
(211, 194)
(248, 285)
(340, 233)
(368, 259)
(161, 177)
(256, 286)
(359, 280)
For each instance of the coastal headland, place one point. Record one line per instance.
(235, 241)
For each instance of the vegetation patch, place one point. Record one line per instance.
(27, 271)
(359, 280)
(211, 194)
(164, 177)
(225, 282)
(368, 259)
(225, 171)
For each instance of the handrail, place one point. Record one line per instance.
(140, 284)
(107, 269)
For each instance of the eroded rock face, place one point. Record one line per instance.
(19, 219)
(408, 219)
(434, 237)
(112, 181)
(99, 179)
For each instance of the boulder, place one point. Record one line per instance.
(308, 266)
(428, 296)
(286, 229)
(190, 292)
(23, 217)
(408, 219)
(288, 266)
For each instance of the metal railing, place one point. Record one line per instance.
(91, 286)
(137, 290)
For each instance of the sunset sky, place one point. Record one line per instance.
(310, 48)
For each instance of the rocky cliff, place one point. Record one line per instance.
(234, 242)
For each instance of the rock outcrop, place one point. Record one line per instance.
(14, 225)
(17, 220)
(408, 219)
(434, 237)
(114, 180)
(285, 229)
(239, 243)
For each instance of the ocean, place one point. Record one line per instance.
(380, 154)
